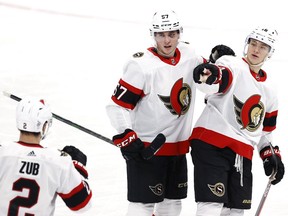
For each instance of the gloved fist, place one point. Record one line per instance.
(220, 50)
(206, 73)
(133, 148)
(272, 162)
(130, 145)
(79, 159)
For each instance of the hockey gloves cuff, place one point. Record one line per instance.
(79, 159)
(272, 163)
(218, 51)
(81, 168)
(133, 148)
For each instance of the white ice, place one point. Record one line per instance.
(71, 52)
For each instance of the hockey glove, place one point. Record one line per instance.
(133, 148)
(272, 162)
(213, 75)
(220, 50)
(79, 159)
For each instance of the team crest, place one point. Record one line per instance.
(218, 189)
(157, 189)
(179, 100)
(249, 114)
(138, 54)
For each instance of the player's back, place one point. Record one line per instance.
(30, 178)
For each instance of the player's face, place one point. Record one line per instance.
(257, 51)
(167, 42)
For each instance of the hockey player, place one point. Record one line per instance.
(156, 95)
(32, 176)
(240, 114)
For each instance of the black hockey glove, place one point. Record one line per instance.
(220, 50)
(198, 72)
(79, 159)
(272, 162)
(133, 148)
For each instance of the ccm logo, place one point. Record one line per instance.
(127, 140)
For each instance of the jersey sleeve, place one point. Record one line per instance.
(225, 64)
(130, 87)
(74, 191)
(270, 118)
(119, 117)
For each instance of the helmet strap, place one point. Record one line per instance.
(45, 130)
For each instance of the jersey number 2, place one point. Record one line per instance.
(26, 202)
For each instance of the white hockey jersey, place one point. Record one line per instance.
(31, 177)
(242, 114)
(161, 94)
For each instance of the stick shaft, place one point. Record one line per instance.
(263, 199)
(66, 121)
(86, 130)
(271, 178)
(149, 152)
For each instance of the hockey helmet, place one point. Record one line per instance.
(165, 21)
(32, 114)
(265, 35)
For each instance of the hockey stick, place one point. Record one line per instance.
(147, 153)
(66, 121)
(271, 178)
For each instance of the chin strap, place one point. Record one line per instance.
(45, 129)
(255, 65)
(171, 54)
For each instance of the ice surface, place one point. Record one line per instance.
(71, 53)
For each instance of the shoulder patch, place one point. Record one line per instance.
(138, 54)
(185, 42)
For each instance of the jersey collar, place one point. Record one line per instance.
(30, 144)
(171, 61)
(261, 76)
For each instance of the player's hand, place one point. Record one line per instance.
(272, 162)
(220, 50)
(133, 148)
(79, 159)
(206, 73)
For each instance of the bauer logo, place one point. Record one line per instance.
(157, 189)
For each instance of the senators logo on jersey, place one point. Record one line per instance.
(178, 102)
(250, 113)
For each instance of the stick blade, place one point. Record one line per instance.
(155, 145)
